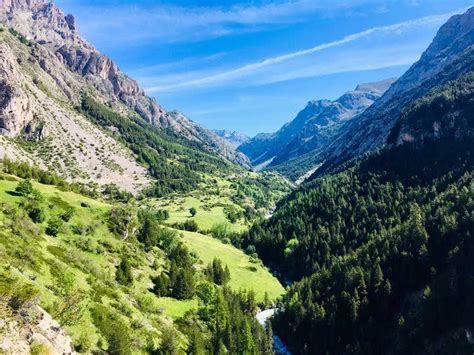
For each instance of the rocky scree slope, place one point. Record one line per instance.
(38, 122)
(313, 128)
(61, 51)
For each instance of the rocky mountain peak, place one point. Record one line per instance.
(314, 126)
(456, 27)
(233, 137)
(377, 87)
(42, 22)
(10, 5)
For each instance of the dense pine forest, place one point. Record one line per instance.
(382, 249)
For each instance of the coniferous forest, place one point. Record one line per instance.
(380, 251)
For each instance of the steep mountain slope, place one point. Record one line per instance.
(233, 137)
(313, 128)
(383, 249)
(45, 68)
(38, 121)
(448, 57)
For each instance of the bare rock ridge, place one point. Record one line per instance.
(45, 24)
(313, 127)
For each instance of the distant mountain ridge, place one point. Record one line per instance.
(313, 127)
(235, 138)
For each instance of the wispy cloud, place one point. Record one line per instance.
(134, 23)
(245, 70)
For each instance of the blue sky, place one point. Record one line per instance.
(252, 65)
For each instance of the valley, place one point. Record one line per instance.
(126, 228)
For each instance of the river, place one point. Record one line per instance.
(262, 317)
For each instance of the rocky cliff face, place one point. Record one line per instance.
(30, 330)
(448, 57)
(41, 22)
(313, 127)
(445, 113)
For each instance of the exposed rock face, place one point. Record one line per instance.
(15, 110)
(15, 106)
(448, 57)
(313, 127)
(447, 112)
(37, 94)
(18, 336)
(43, 22)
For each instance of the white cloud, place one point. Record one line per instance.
(114, 25)
(182, 81)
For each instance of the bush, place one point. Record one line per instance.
(37, 214)
(123, 275)
(221, 231)
(24, 188)
(189, 226)
(22, 295)
(54, 227)
(122, 220)
(68, 214)
(83, 229)
(192, 211)
(113, 328)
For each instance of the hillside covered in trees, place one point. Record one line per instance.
(382, 252)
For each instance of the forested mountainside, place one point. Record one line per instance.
(313, 128)
(46, 68)
(117, 216)
(381, 251)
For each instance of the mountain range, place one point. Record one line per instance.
(327, 134)
(233, 137)
(313, 128)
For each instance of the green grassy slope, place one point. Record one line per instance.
(245, 274)
(81, 268)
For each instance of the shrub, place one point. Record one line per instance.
(54, 227)
(189, 226)
(68, 214)
(221, 231)
(24, 188)
(192, 211)
(83, 229)
(114, 329)
(22, 295)
(123, 275)
(37, 214)
(122, 220)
